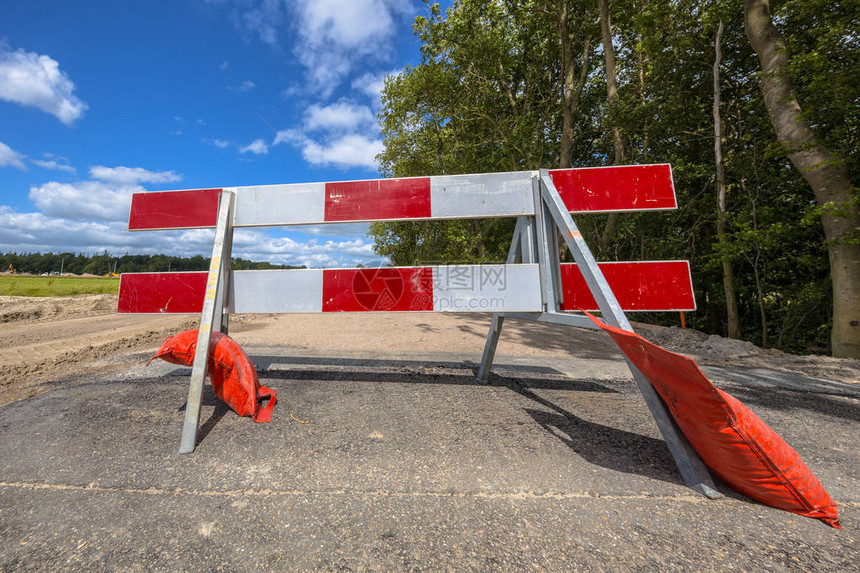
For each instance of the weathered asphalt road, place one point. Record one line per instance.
(405, 463)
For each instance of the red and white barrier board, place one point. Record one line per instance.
(596, 190)
(540, 288)
(639, 286)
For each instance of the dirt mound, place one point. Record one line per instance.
(710, 347)
(714, 349)
(44, 340)
(24, 308)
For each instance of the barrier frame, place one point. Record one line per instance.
(534, 242)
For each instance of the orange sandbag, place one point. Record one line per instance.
(234, 378)
(179, 348)
(741, 449)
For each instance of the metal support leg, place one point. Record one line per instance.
(227, 282)
(213, 306)
(693, 470)
(541, 225)
(553, 260)
(515, 254)
(490, 347)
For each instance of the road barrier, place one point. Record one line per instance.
(533, 284)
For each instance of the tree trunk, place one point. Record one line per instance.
(571, 89)
(568, 73)
(734, 325)
(571, 92)
(825, 172)
(611, 82)
(755, 262)
(643, 100)
(479, 236)
(612, 98)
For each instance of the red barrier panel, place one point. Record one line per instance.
(656, 286)
(639, 286)
(174, 209)
(392, 289)
(162, 292)
(623, 188)
(595, 190)
(378, 199)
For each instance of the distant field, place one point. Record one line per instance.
(57, 286)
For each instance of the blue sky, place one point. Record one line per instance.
(99, 99)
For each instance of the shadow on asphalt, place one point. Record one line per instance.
(407, 376)
(598, 444)
(221, 408)
(601, 445)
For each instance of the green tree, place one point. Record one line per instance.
(491, 93)
(825, 171)
(498, 89)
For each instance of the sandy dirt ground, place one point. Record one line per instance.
(47, 343)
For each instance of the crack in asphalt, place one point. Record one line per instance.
(519, 495)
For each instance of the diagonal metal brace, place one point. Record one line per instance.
(692, 468)
(212, 314)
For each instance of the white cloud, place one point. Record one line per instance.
(372, 84)
(219, 143)
(330, 37)
(10, 157)
(244, 87)
(106, 198)
(53, 164)
(31, 232)
(291, 91)
(259, 245)
(333, 35)
(264, 20)
(342, 134)
(288, 136)
(85, 200)
(31, 79)
(335, 229)
(338, 116)
(258, 147)
(347, 151)
(38, 232)
(224, 65)
(132, 175)
(352, 150)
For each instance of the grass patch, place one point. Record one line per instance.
(57, 286)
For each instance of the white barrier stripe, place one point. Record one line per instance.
(294, 290)
(497, 288)
(488, 195)
(267, 205)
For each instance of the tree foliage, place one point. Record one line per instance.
(488, 95)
